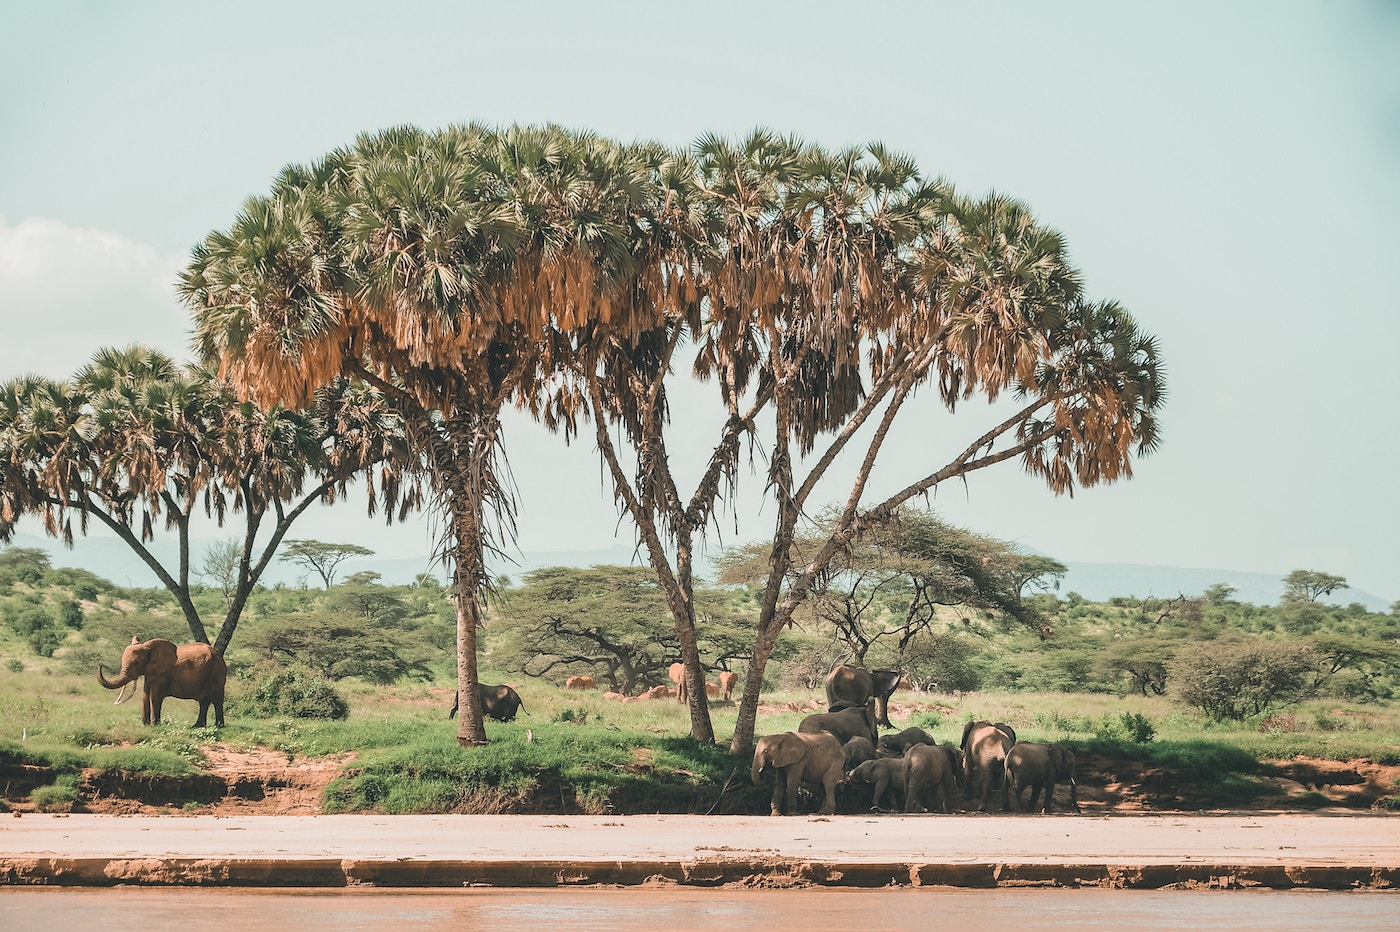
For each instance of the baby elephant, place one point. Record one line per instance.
(897, 744)
(1040, 766)
(887, 773)
(928, 769)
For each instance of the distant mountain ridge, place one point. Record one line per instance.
(1098, 582)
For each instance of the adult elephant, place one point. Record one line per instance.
(984, 748)
(848, 683)
(499, 702)
(855, 722)
(190, 671)
(929, 773)
(1041, 766)
(794, 758)
(677, 673)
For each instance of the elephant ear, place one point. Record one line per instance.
(1010, 732)
(786, 749)
(161, 654)
(967, 729)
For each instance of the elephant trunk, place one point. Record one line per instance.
(760, 763)
(122, 679)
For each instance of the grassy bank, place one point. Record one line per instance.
(576, 752)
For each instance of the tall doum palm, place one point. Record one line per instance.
(451, 270)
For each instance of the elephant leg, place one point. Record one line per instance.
(146, 708)
(203, 718)
(1035, 796)
(1049, 794)
(219, 712)
(157, 701)
(880, 787)
(828, 804)
(794, 783)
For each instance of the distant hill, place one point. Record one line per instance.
(1098, 582)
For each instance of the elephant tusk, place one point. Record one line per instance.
(122, 696)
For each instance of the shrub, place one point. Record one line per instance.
(1230, 679)
(60, 796)
(1133, 727)
(14, 665)
(293, 691)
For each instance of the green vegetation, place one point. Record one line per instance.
(369, 669)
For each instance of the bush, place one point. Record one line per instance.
(1132, 727)
(293, 691)
(61, 796)
(1230, 679)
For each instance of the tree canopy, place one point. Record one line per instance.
(135, 440)
(461, 270)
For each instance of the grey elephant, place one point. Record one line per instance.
(498, 702)
(794, 758)
(887, 776)
(849, 683)
(897, 744)
(929, 774)
(984, 747)
(855, 722)
(1041, 766)
(190, 671)
(856, 752)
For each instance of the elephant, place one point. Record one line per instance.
(928, 768)
(499, 702)
(857, 684)
(795, 758)
(984, 748)
(677, 674)
(887, 774)
(190, 671)
(856, 722)
(897, 745)
(857, 751)
(1041, 766)
(582, 681)
(728, 679)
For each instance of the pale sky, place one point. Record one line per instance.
(1228, 172)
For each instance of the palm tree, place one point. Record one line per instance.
(451, 271)
(134, 438)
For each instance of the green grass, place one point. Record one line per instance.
(578, 752)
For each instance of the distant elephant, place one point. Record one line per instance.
(190, 671)
(499, 702)
(857, 722)
(1041, 766)
(887, 774)
(857, 684)
(581, 682)
(984, 747)
(928, 769)
(897, 744)
(795, 758)
(677, 673)
(727, 681)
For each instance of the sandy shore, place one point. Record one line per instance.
(1147, 852)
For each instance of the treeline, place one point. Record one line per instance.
(1228, 659)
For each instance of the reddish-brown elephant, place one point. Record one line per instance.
(190, 671)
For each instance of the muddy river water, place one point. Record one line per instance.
(583, 910)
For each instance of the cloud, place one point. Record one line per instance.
(65, 293)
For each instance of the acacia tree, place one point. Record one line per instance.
(451, 270)
(134, 440)
(888, 586)
(321, 557)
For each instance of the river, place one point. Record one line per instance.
(36, 909)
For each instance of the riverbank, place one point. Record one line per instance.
(1226, 851)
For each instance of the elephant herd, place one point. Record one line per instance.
(842, 752)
